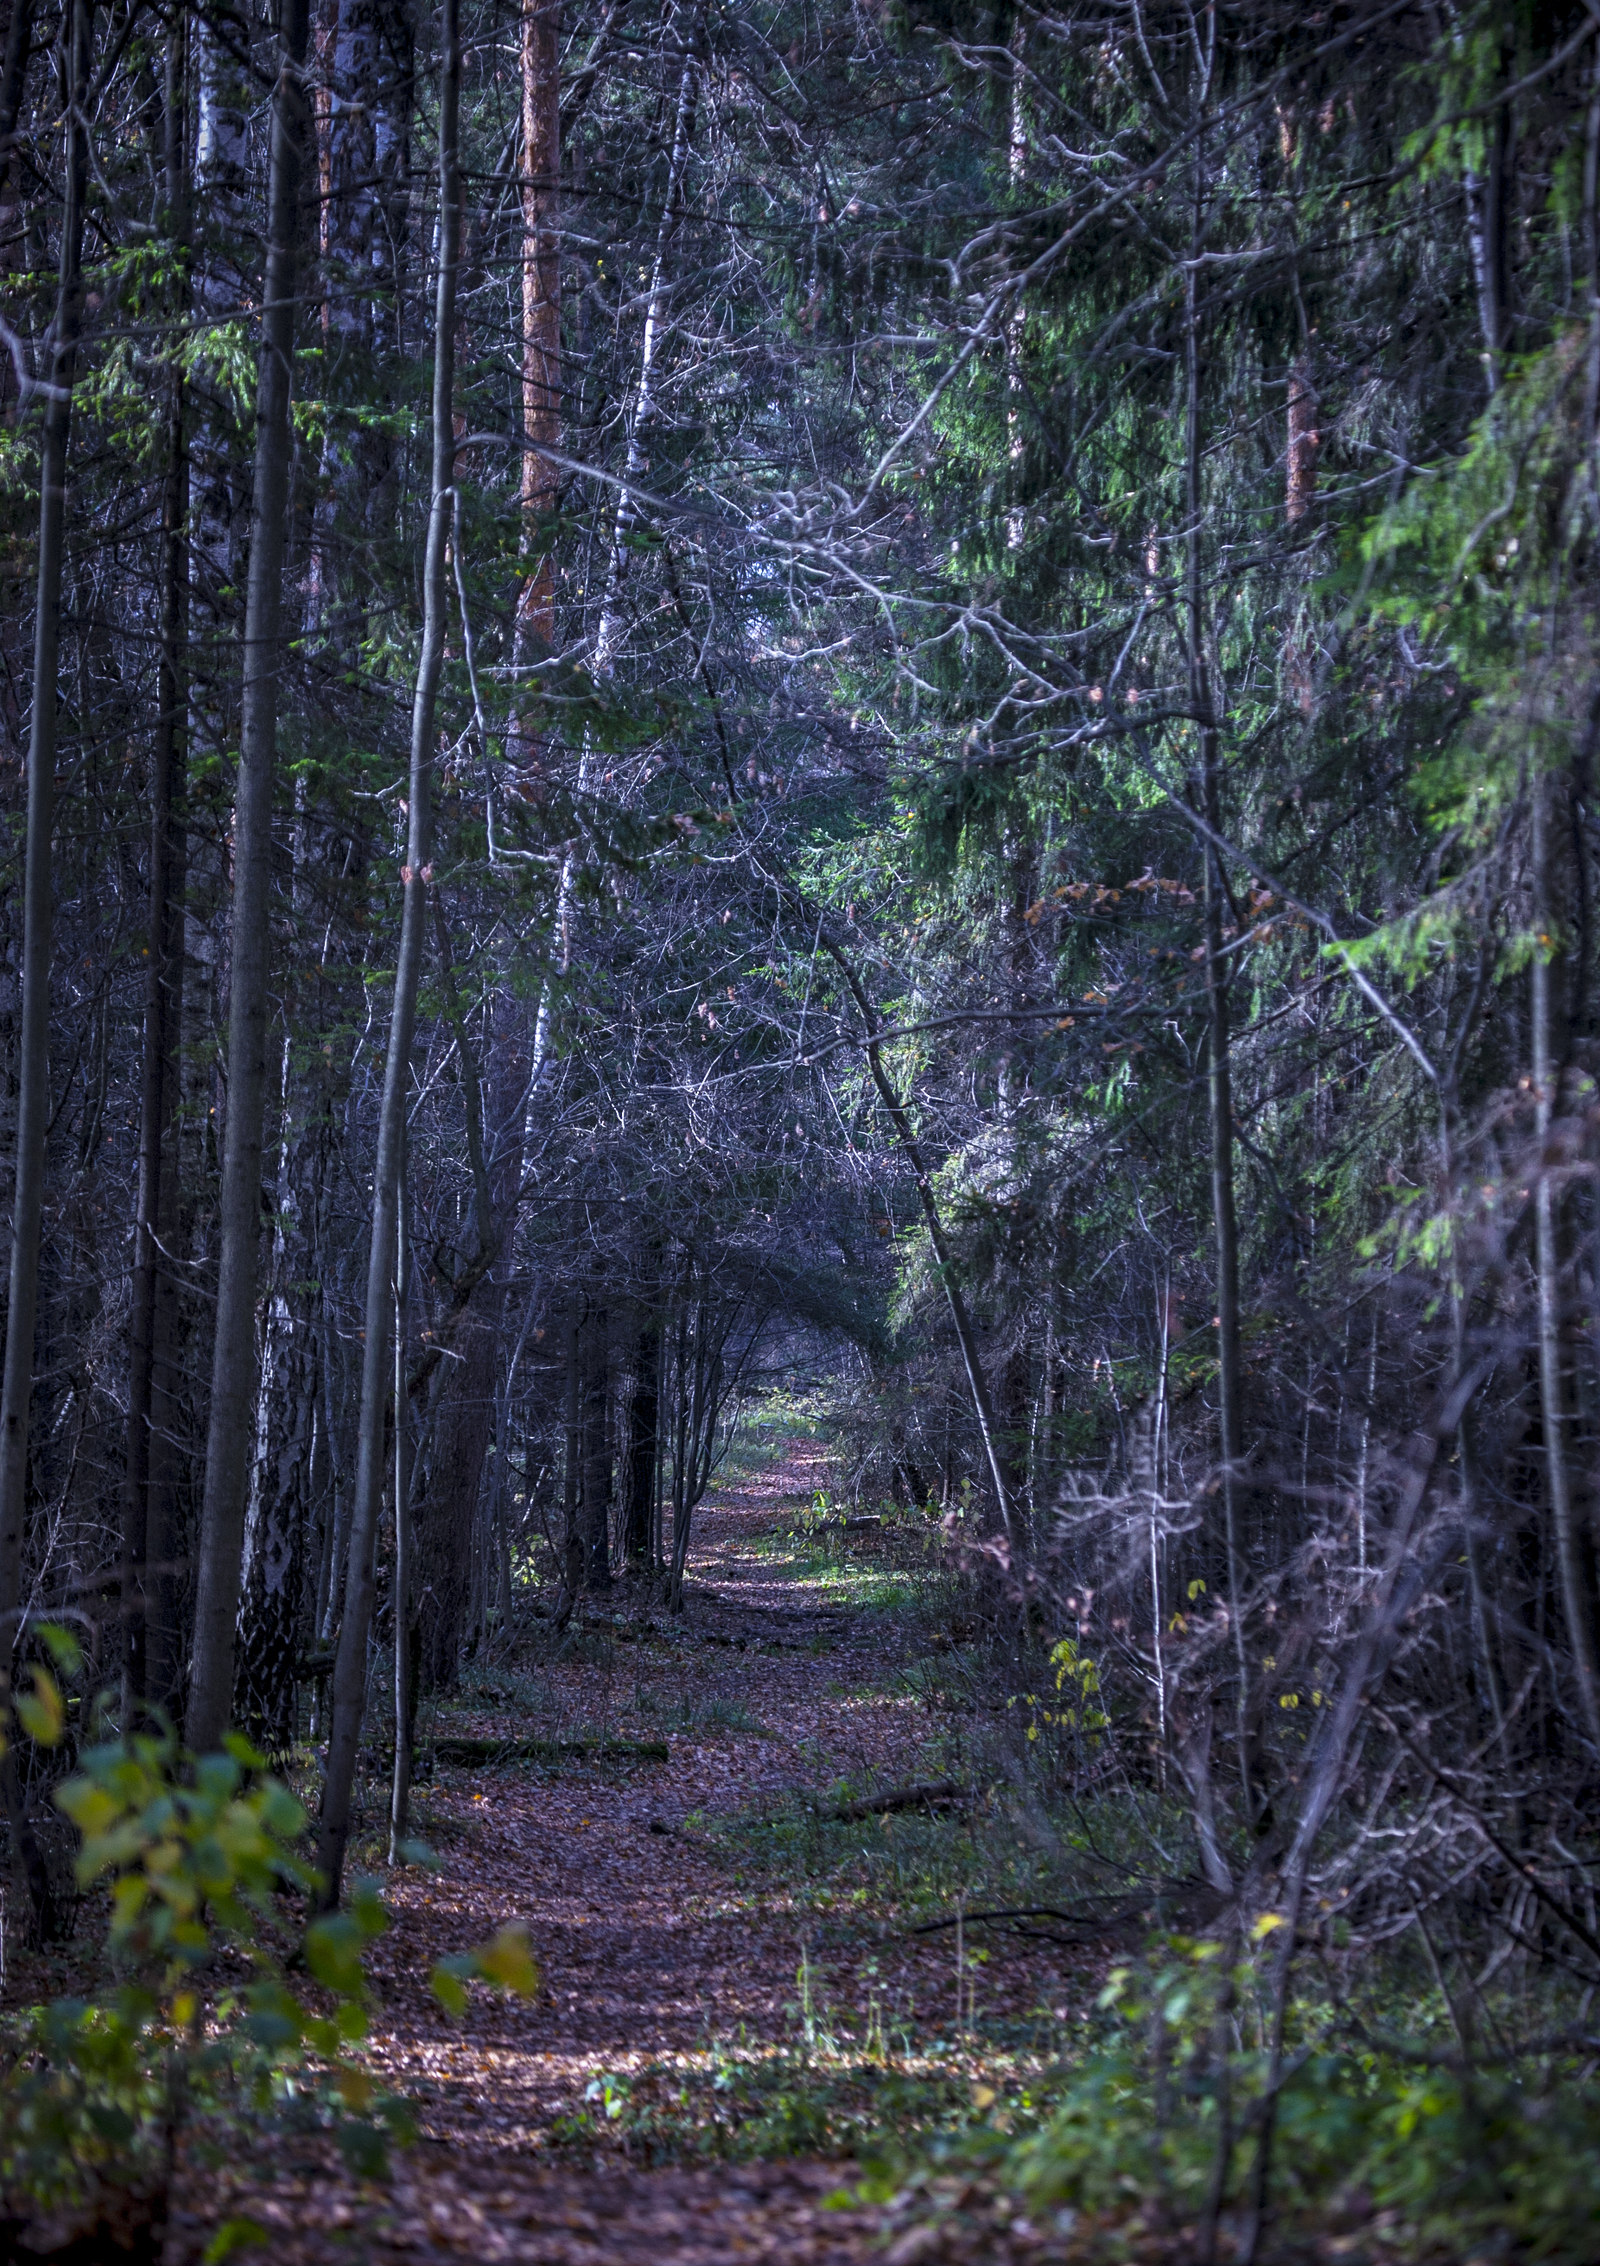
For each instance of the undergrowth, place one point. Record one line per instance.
(1141, 2106)
(1151, 2111)
(225, 2008)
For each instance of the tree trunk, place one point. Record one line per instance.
(1218, 1059)
(350, 1670)
(639, 1498)
(235, 1371)
(149, 1537)
(597, 1452)
(278, 1517)
(369, 101)
(1554, 1385)
(273, 1574)
(400, 1785)
(541, 318)
(13, 78)
(449, 1505)
(33, 1099)
(655, 323)
(572, 1462)
(448, 1520)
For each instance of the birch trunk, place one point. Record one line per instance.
(235, 1368)
(350, 1667)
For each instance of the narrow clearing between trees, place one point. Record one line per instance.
(665, 1956)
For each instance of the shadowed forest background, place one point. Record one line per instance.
(888, 711)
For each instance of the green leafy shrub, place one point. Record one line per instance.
(1447, 2153)
(200, 1859)
(198, 1855)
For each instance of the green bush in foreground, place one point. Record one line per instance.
(1157, 2113)
(1164, 2109)
(200, 1858)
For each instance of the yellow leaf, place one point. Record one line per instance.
(508, 1960)
(41, 1712)
(90, 1808)
(984, 2096)
(1263, 1927)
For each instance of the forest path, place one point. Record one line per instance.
(780, 1677)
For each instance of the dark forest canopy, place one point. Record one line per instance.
(906, 688)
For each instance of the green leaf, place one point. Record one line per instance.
(364, 2148)
(62, 1646)
(368, 1910)
(448, 1987)
(232, 2235)
(333, 1953)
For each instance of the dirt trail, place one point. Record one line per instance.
(772, 1685)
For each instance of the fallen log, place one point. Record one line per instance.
(902, 1798)
(1092, 1918)
(476, 1754)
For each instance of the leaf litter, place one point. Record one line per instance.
(655, 1956)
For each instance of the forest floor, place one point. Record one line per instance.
(699, 1945)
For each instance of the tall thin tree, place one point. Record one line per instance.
(33, 1098)
(148, 1538)
(350, 1667)
(1208, 795)
(541, 316)
(234, 1361)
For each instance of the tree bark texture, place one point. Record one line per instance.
(276, 1525)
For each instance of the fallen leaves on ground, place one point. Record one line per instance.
(650, 1959)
